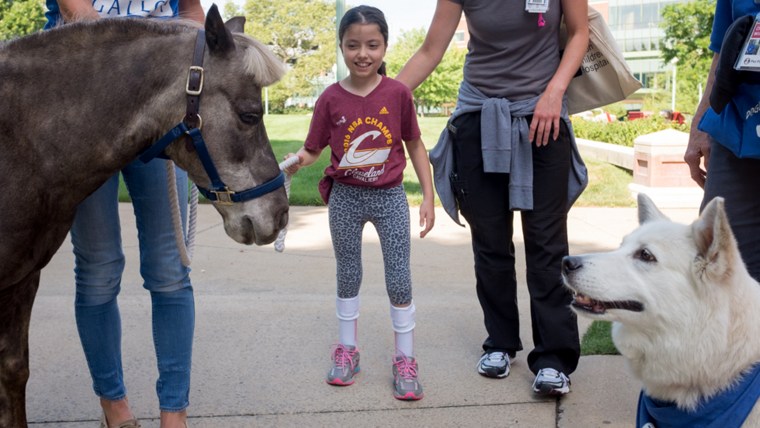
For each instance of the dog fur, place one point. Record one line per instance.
(685, 312)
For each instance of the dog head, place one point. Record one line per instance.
(680, 300)
(658, 268)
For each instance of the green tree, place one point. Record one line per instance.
(687, 28)
(300, 33)
(21, 17)
(442, 85)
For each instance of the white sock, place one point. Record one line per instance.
(347, 312)
(403, 326)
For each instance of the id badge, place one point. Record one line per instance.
(537, 6)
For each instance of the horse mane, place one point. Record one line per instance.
(259, 60)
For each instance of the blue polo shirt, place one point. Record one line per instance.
(737, 127)
(119, 8)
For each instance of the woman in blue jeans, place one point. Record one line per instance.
(96, 236)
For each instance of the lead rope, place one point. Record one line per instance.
(186, 246)
(279, 243)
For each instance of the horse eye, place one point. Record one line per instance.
(250, 118)
(646, 255)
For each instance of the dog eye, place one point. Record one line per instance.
(250, 118)
(646, 255)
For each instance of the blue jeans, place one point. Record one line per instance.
(96, 236)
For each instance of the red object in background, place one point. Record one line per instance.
(633, 115)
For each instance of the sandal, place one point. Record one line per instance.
(129, 423)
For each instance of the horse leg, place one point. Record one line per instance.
(16, 302)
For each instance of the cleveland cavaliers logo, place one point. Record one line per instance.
(356, 157)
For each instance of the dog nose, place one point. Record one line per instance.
(571, 263)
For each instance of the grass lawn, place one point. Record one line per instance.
(607, 183)
(598, 340)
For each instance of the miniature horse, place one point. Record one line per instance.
(79, 102)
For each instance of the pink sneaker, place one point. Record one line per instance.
(405, 383)
(345, 365)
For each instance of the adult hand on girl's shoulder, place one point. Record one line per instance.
(427, 217)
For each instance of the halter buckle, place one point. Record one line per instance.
(192, 124)
(224, 197)
(199, 80)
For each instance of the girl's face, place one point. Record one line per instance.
(363, 49)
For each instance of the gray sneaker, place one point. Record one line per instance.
(494, 364)
(406, 386)
(551, 382)
(345, 365)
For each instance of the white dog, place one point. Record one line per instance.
(686, 316)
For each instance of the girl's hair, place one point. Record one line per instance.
(365, 15)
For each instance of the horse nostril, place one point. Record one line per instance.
(571, 263)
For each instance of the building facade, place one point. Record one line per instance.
(635, 24)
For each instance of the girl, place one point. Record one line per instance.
(363, 119)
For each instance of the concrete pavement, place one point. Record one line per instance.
(265, 322)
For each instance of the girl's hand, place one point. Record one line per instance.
(291, 170)
(427, 217)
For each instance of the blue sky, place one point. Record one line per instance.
(402, 15)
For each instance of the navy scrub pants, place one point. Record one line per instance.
(483, 200)
(737, 181)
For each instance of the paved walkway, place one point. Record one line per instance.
(265, 323)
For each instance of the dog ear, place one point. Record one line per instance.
(716, 245)
(648, 211)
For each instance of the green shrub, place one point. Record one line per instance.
(622, 132)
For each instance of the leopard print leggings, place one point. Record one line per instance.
(350, 208)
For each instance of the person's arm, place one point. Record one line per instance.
(419, 157)
(191, 9)
(546, 115)
(77, 10)
(429, 55)
(699, 142)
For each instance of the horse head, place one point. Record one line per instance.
(234, 71)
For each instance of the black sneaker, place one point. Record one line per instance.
(494, 364)
(551, 382)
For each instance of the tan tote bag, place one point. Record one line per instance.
(605, 77)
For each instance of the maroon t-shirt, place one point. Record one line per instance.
(365, 134)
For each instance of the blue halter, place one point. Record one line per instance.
(191, 126)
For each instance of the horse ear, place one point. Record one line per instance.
(236, 24)
(218, 37)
